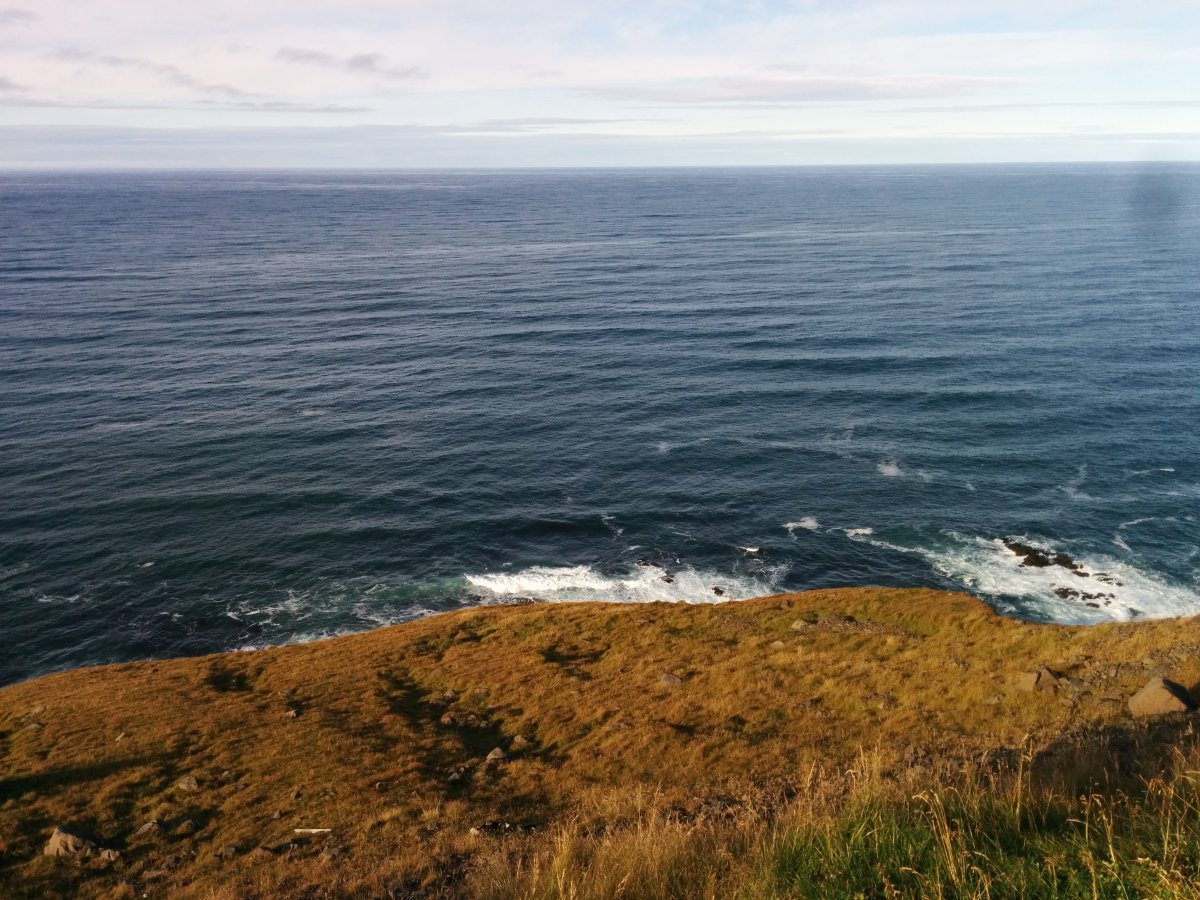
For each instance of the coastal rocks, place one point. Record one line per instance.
(1042, 680)
(1035, 558)
(66, 843)
(1160, 697)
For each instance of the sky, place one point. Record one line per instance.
(498, 83)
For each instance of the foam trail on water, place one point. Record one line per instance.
(890, 469)
(645, 584)
(808, 523)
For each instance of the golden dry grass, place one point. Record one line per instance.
(347, 734)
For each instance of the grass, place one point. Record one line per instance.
(865, 742)
(1002, 837)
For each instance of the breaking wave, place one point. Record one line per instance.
(643, 585)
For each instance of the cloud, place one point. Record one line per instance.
(1065, 104)
(812, 89)
(12, 16)
(7, 85)
(267, 106)
(164, 71)
(529, 125)
(374, 65)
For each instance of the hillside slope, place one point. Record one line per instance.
(199, 771)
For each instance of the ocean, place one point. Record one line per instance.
(245, 408)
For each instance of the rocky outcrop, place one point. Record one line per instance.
(1160, 697)
(1042, 680)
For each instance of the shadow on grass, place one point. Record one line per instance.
(47, 783)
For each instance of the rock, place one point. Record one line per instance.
(497, 756)
(110, 855)
(65, 843)
(188, 783)
(153, 828)
(777, 645)
(1043, 680)
(668, 579)
(671, 680)
(519, 743)
(1159, 697)
(801, 625)
(719, 591)
(1030, 556)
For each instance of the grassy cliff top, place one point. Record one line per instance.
(604, 714)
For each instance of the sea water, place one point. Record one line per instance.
(240, 409)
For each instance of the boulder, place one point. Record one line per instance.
(188, 783)
(65, 843)
(497, 756)
(671, 680)
(1043, 680)
(1159, 697)
(153, 828)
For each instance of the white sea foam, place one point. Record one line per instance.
(986, 566)
(664, 448)
(59, 598)
(858, 532)
(644, 584)
(1167, 469)
(890, 469)
(808, 523)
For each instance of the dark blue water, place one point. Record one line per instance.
(242, 409)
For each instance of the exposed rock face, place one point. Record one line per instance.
(1043, 680)
(64, 843)
(1159, 697)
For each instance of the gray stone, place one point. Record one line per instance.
(497, 756)
(188, 783)
(1159, 697)
(1042, 680)
(65, 843)
(153, 828)
(671, 680)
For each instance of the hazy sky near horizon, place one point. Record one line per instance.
(540, 83)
